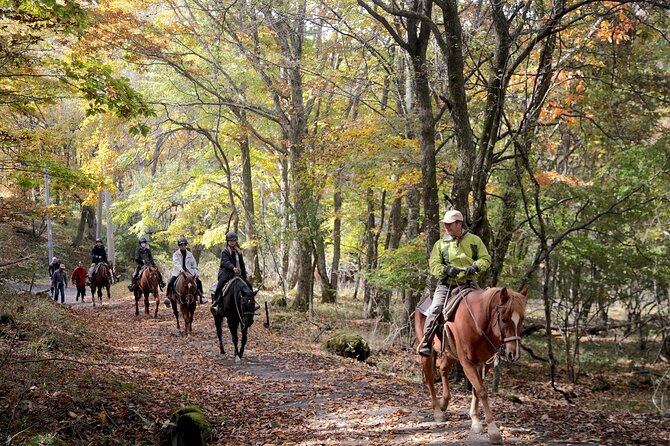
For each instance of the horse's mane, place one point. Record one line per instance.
(516, 302)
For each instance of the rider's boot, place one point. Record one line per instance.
(131, 286)
(425, 348)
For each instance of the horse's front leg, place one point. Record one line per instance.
(156, 309)
(244, 340)
(137, 303)
(218, 321)
(109, 295)
(146, 303)
(93, 295)
(173, 302)
(232, 326)
(185, 315)
(480, 393)
(100, 295)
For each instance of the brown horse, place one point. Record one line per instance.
(184, 295)
(101, 277)
(485, 322)
(148, 284)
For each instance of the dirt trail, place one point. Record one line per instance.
(283, 392)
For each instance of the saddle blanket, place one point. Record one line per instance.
(450, 306)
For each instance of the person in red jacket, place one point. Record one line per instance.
(79, 280)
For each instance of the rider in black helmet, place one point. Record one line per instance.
(143, 257)
(232, 263)
(98, 255)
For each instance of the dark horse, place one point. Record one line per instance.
(148, 284)
(237, 303)
(101, 277)
(184, 295)
(485, 322)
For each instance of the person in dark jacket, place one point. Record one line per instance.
(53, 267)
(232, 264)
(98, 255)
(143, 257)
(59, 283)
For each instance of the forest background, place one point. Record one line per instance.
(332, 135)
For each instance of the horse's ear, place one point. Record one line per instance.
(504, 296)
(524, 292)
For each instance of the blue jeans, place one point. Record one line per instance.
(59, 287)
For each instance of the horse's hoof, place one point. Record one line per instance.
(439, 417)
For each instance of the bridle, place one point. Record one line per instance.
(503, 340)
(189, 298)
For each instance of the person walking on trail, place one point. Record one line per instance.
(183, 260)
(456, 260)
(143, 257)
(232, 264)
(59, 283)
(78, 278)
(53, 267)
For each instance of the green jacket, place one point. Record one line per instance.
(460, 254)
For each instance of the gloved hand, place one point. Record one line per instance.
(471, 270)
(450, 271)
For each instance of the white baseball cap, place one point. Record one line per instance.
(452, 216)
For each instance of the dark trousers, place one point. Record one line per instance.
(81, 290)
(59, 287)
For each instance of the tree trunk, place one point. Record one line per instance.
(337, 237)
(459, 106)
(249, 208)
(370, 255)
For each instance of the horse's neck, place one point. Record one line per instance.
(485, 320)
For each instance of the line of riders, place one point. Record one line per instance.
(231, 265)
(456, 261)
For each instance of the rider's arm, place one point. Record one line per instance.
(225, 262)
(435, 264)
(138, 257)
(483, 257)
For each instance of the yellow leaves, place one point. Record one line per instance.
(548, 178)
(617, 30)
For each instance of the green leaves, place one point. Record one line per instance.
(98, 84)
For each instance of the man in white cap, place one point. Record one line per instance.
(456, 260)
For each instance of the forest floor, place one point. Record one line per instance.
(90, 375)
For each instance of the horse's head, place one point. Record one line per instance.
(510, 313)
(247, 303)
(185, 284)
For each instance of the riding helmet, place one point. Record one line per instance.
(182, 241)
(98, 240)
(143, 239)
(231, 236)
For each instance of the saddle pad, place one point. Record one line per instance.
(450, 306)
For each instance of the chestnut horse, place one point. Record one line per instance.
(101, 277)
(148, 284)
(485, 322)
(184, 294)
(237, 303)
